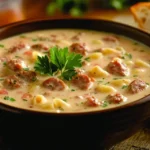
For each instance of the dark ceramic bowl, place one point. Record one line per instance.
(89, 130)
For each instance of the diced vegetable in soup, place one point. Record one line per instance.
(72, 70)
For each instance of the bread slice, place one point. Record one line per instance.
(141, 13)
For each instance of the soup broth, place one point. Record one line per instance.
(72, 70)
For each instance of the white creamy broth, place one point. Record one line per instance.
(107, 70)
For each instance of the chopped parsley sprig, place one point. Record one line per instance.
(60, 61)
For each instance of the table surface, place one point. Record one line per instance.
(139, 141)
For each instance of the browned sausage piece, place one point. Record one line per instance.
(15, 64)
(92, 101)
(17, 47)
(27, 75)
(54, 84)
(12, 82)
(78, 48)
(118, 68)
(115, 98)
(82, 81)
(40, 47)
(137, 86)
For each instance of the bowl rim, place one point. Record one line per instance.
(15, 109)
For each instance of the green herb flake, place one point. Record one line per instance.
(9, 98)
(65, 100)
(26, 69)
(25, 100)
(135, 43)
(17, 56)
(116, 78)
(1, 46)
(87, 59)
(1, 79)
(124, 87)
(4, 63)
(60, 108)
(34, 40)
(106, 83)
(135, 75)
(73, 90)
(122, 57)
(105, 104)
(82, 103)
(148, 84)
(128, 55)
(22, 36)
(100, 81)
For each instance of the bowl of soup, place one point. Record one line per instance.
(84, 78)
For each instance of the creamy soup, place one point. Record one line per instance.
(72, 70)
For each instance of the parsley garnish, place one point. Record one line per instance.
(124, 86)
(106, 83)
(128, 55)
(1, 45)
(73, 90)
(26, 69)
(65, 100)
(87, 59)
(22, 36)
(9, 98)
(116, 78)
(60, 61)
(105, 104)
(99, 82)
(4, 63)
(135, 75)
(34, 40)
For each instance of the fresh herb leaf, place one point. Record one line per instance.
(1, 45)
(60, 61)
(147, 83)
(72, 89)
(43, 66)
(124, 86)
(9, 98)
(63, 59)
(68, 74)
